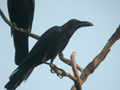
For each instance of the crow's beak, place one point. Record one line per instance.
(86, 23)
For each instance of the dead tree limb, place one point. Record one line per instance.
(35, 36)
(89, 69)
(74, 66)
(100, 57)
(68, 61)
(62, 73)
(77, 83)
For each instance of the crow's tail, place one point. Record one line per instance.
(21, 46)
(19, 75)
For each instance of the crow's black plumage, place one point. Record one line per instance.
(51, 43)
(21, 13)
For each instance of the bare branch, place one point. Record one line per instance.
(100, 57)
(61, 72)
(67, 61)
(77, 83)
(35, 36)
(74, 66)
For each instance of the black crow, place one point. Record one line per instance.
(51, 43)
(21, 13)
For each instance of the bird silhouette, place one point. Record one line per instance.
(51, 43)
(21, 13)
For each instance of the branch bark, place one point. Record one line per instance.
(62, 73)
(74, 66)
(100, 57)
(77, 84)
(35, 36)
(68, 62)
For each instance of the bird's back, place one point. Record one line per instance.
(45, 48)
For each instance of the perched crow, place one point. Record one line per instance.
(21, 13)
(51, 43)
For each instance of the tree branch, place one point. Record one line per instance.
(74, 66)
(35, 36)
(100, 57)
(68, 62)
(77, 83)
(61, 72)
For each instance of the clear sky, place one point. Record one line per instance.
(87, 42)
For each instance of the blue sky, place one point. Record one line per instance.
(87, 42)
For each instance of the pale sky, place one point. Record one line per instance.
(87, 42)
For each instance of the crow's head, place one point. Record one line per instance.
(77, 23)
(72, 25)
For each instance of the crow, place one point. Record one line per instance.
(21, 14)
(51, 43)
